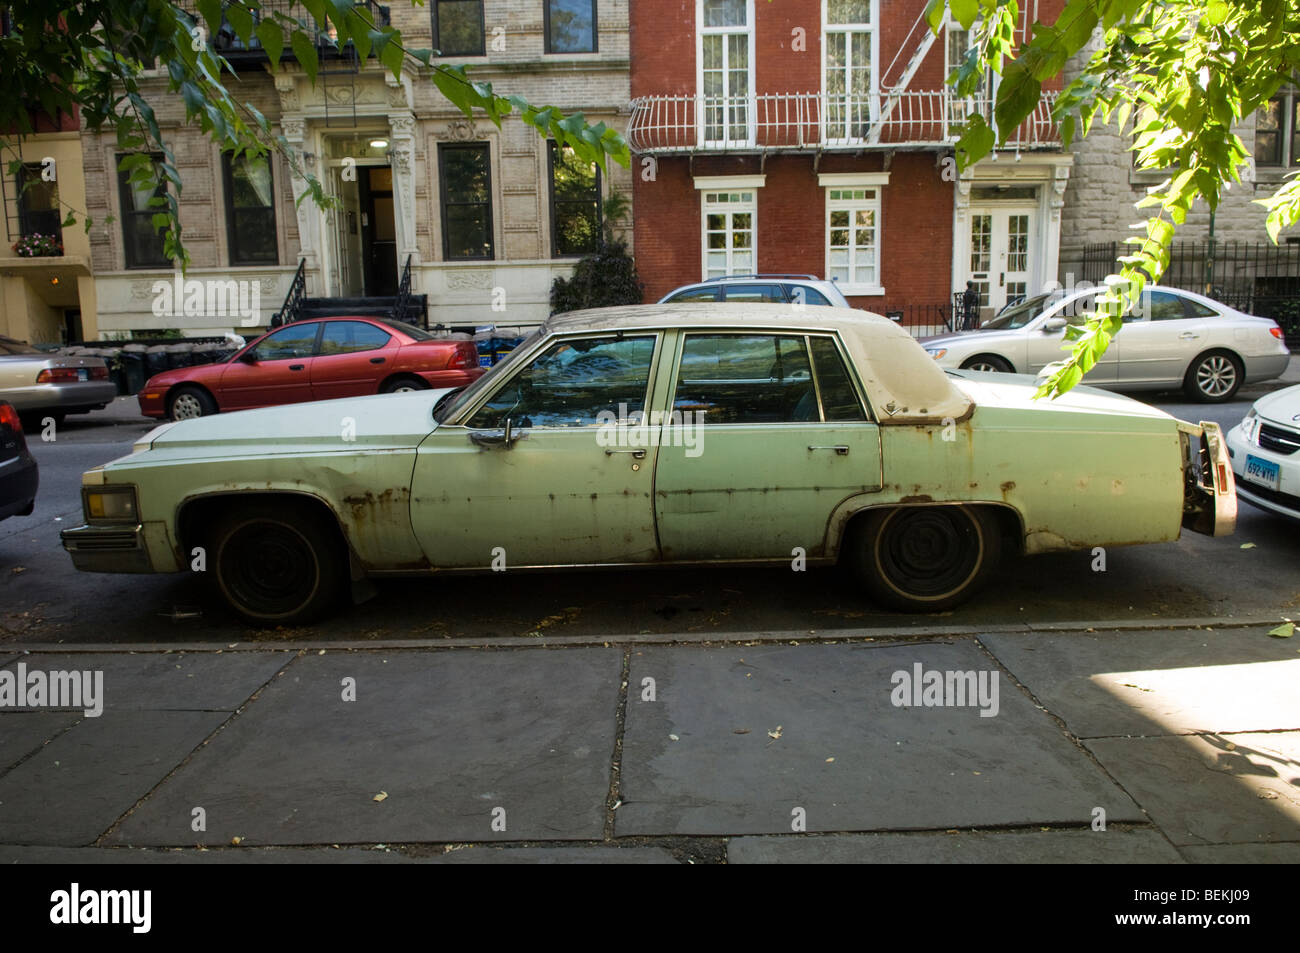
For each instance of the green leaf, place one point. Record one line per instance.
(1216, 12)
(1283, 631)
(965, 12)
(241, 19)
(304, 50)
(272, 36)
(1017, 96)
(934, 12)
(211, 12)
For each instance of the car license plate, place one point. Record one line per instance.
(1263, 472)
(83, 373)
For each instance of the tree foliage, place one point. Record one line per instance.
(92, 57)
(1175, 76)
(600, 280)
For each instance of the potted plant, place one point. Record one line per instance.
(37, 245)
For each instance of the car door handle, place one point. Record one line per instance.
(296, 367)
(377, 360)
(1189, 335)
(639, 454)
(840, 449)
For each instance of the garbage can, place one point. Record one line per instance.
(132, 358)
(155, 360)
(180, 355)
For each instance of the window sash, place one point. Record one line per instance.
(439, 39)
(251, 236)
(589, 202)
(853, 239)
(475, 213)
(37, 221)
(142, 244)
(729, 226)
(593, 27)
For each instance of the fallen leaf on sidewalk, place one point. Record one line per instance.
(236, 841)
(774, 735)
(829, 760)
(740, 731)
(1283, 631)
(17, 569)
(1268, 795)
(1138, 687)
(381, 796)
(1247, 545)
(673, 738)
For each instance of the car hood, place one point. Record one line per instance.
(1282, 406)
(971, 337)
(378, 422)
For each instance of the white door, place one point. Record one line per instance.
(1001, 250)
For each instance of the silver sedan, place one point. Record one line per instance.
(1175, 339)
(43, 385)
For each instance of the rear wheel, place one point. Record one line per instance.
(1213, 377)
(277, 563)
(925, 558)
(987, 362)
(403, 385)
(186, 403)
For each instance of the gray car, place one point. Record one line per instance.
(41, 385)
(1175, 339)
(751, 289)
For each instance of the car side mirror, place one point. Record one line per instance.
(248, 357)
(1053, 324)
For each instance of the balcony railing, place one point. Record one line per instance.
(228, 43)
(794, 122)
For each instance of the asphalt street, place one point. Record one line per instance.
(1250, 575)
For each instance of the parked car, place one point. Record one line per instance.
(40, 384)
(19, 476)
(318, 359)
(1176, 339)
(1265, 451)
(685, 434)
(800, 289)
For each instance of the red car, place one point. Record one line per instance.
(318, 359)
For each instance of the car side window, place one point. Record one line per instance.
(755, 293)
(746, 379)
(347, 337)
(695, 294)
(839, 399)
(572, 383)
(802, 294)
(295, 341)
(1166, 307)
(1200, 310)
(1074, 311)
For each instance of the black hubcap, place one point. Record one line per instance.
(929, 552)
(269, 569)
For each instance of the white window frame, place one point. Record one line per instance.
(706, 184)
(856, 180)
(750, 95)
(874, 29)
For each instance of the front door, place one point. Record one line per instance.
(1001, 246)
(275, 371)
(378, 231)
(571, 487)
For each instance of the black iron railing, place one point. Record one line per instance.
(291, 310)
(403, 292)
(228, 43)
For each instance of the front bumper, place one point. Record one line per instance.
(1209, 489)
(1285, 500)
(117, 548)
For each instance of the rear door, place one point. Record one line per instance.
(767, 435)
(352, 358)
(278, 370)
(1159, 340)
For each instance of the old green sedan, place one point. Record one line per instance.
(683, 434)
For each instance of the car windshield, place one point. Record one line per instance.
(10, 346)
(1018, 315)
(446, 408)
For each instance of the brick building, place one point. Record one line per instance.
(815, 136)
(484, 216)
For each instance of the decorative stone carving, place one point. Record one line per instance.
(294, 129)
(401, 158)
(472, 279)
(402, 124)
(460, 130)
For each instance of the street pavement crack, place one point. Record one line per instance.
(616, 759)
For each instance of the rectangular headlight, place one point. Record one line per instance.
(110, 504)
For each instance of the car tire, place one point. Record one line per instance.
(1213, 377)
(277, 563)
(403, 385)
(987, 362)
(925, 558)
(186, 403)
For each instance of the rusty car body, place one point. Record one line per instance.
(681, 434)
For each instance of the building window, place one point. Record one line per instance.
(458, 27)
(143, 243)
(571, 26)
(466, 180)
(849, 81)
(725, 76)
(575, 204)
(729, 230)
(1277, 131)
(250, 210)
(853, 239)
(38, 203)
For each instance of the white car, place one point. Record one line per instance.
(1265, 451)
(1176, 339)
(751, 289)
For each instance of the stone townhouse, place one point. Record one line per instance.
(486, 218)
(816, 136)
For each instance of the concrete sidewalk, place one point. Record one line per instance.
(1184, 742)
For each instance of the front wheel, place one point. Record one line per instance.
(186, 403)
(1213, 377)
(987, 362)
(925, 558)
(277, 564)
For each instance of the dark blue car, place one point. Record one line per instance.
(18, 473)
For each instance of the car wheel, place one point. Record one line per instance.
(404, 385)
(1213, 377)
(186, 403)
(277, 564)
(925, 558)
(987, 362)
